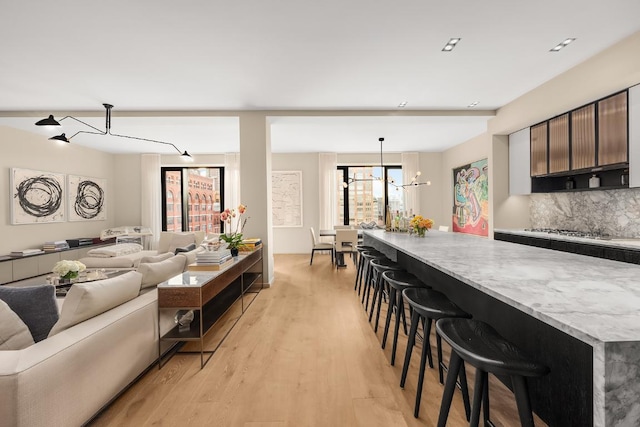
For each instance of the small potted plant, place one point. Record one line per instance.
(233, 238)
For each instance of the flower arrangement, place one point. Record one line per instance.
(420, 225)
(68, 269)
(233, 239)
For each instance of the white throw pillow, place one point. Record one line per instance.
(180, 241)
(115, 250)
(14, 334)
(158, 272)
(86, 300)
(155, 258)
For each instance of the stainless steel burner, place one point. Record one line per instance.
(572, 233)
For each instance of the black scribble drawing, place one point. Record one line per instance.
(37, 197)
(89, 199)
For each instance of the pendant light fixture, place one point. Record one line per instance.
(51, 121)
(414, 181)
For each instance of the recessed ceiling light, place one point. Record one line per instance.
(561, 45)
(402, 104)
(451, 44)
(473, 104)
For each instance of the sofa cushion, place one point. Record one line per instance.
(14, 334)
(157, 272)
(86, 300)
(166, 244)
(180, 241)
(115, 250)
(155, 258)
(35, 305)
(187, 248)
(191, 256)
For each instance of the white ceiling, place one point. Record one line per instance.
(180, 60)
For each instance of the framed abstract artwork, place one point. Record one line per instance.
(87, 198)
(37, 196)
(471, 198)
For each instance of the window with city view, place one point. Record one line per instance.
(367, 194)
(202, 189)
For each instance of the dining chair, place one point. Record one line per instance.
(346, 242)
(320, 246)
(342, 227)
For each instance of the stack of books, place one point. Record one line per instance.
(212, 260)
(250, 245)
(55, 246)
(26, 252)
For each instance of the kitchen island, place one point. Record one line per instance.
(577, 314)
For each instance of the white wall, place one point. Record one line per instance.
(291, 240)
(32, 151)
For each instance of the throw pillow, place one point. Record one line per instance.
(155, 258)
(35, 305)
(181, 240)
(185, 248)
(154, 273)
(14, 334)
(86, 300)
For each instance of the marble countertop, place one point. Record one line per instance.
(613, 243)
(592, 299)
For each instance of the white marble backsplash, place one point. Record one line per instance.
(614, 212)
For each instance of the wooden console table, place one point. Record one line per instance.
(209, 294)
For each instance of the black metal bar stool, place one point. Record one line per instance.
(478, 344)
(361, 267)
(429, 305)
(398, 281)
(368, 282)
(379, 266)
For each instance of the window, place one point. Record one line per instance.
(367, 196)
(182, 203)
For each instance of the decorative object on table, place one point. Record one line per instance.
(420, 225)
(286, 189)
(471, 198)
(87, 198)
(183, 319)
(37, 197)
(251, 244)
(594, 181)
(68, 270)
(233, 238)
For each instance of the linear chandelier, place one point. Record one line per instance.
(51, 121)
(414, 181)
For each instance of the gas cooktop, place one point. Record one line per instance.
(572, 233)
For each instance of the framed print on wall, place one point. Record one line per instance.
(37, 196)
(286, 188)
(87, 198)
(471, 198)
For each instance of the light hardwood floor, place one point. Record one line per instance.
(303, 354)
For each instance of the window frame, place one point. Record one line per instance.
(184, 193)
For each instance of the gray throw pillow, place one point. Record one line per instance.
(35, 305)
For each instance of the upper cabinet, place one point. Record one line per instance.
(539, 150)
(634, 136)
(583, 137)
(569, 149)
(612, 130)
(559, 144)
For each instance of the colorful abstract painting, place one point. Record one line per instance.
(471, 198)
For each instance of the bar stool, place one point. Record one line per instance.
(429, 305)
(368, 257)
(360, 269)
(480, 345)
(398, 281)
(379, 266)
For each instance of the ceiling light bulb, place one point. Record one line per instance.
(567, 41)
(448, 47)
(454, 41)
(418, 173)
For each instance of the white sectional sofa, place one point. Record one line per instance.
(67, 378)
